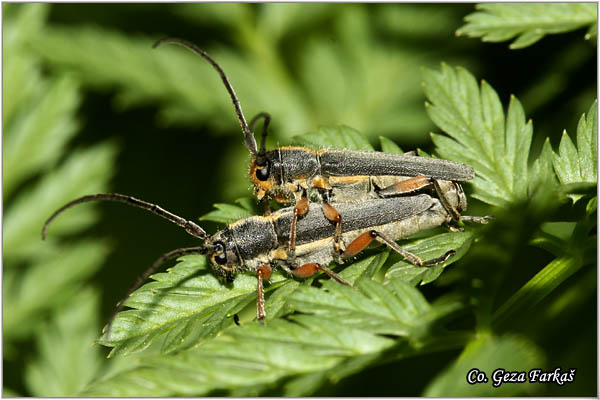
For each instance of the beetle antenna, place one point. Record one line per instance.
(248, 136)
(161, 260)
(260, 156)
(190, 227)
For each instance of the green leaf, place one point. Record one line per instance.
(311, 348)
(388, 146)
(576, 164)
(38, 134)
(342, 137)
(85, 171)
(229, 213)
(8, 393)
(188, 304)
(35, 136)
(487, 354)
(19, 64)
(39, 121)
(429, 248)
(529, 22)
(301, 92)
(542, 172)
(67, 360)
(277, 303)
(538, 287)
(480, 135)
(229, 14)
(244, 356)
(49, 282)
(392, 309)
(182, 306)
(366, 267)
(278, 19)
(592, 31)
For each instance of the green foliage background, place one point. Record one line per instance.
(90, 107)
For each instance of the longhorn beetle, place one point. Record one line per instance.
(259, 243)
(295, 174)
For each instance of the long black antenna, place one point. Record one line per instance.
(260, 157)
(191, 227)
(248, 136)
(161, 260)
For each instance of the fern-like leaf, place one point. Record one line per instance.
(578, 164)
(529, 22)
(40, 276)
(253, 355)
(67, 362)
(50, 282)
(38, 137)
(229, 213)
(182, 306)
(86, 171)
(497, 147)
(429, 248)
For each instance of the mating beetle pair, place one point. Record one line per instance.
(364, 196)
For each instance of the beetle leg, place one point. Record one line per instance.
(333, 215)
(363, 240)
(306, 270)
(452, 211)
(267, 205)
(417, 183)
(479, 220)
(406, 186)
(300, 209)
(262, 272)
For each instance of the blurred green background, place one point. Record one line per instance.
(89, 106)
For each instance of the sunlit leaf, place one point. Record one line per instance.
(575, 164)
(388, 146)
(529, 22)
(183, 305)
(497, 147)
(252, 354)
(228, 213)
(429, 248)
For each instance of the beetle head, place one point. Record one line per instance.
(262, 177)
(223, 256)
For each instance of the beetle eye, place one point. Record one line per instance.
(262, 174)
(220, 256)
(221, 259)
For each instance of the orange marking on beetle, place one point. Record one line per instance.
(412, 184)
(299, 148)
(306, 270)
(264, 271)
(301, 207)
(261, 187)
(279, 254)
(345, 180)
(331, 213)
(359, 244)
(320, 182)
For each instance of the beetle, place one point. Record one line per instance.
(293, 175)
(259, 243)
